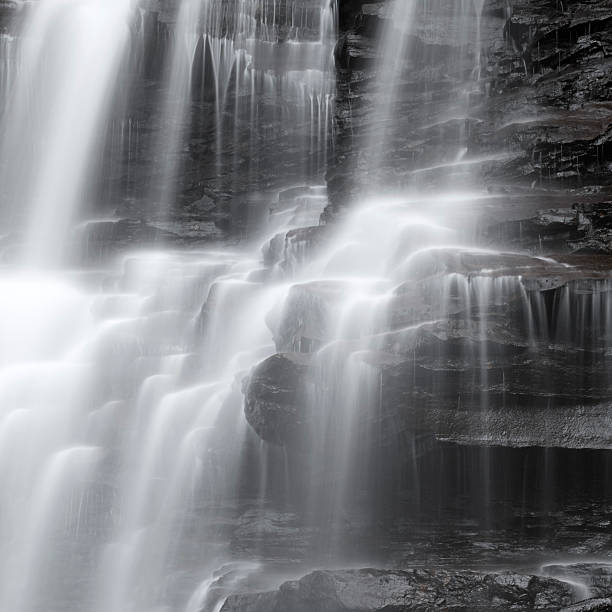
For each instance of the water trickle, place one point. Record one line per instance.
(429, 69)
(8, 68)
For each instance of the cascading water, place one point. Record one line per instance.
(130, 480)
(243, 71)
(7, 70)
(56, 116)
(444, 81)
(113, 473)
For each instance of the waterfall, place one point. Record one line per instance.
(412, 56)
(180, 422)
(122, 460)
(245, 70)
(56, 116)
(8, 67)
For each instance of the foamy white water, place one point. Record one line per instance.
(123, 440)
(69, 57)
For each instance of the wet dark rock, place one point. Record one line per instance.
(99, 239)
(506, 367)
(7, 10)
(306, 318)
(470, 262)
(289, 250)
(271, 534)
(591, 605)
(252, 158)
(586, 228)
(596, 577)
(546, 102)
(371, 590)
(520, 401)
(538, 118)
(548, 230)
(274, 398)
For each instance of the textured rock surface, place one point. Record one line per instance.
(591, 605)
(275, 396)
(288, 251)
(596, 577)
(506, 367)
(372, 590)
(585, 228)
(537, 124)
(537, 121)
(237, 176)
(220, 187)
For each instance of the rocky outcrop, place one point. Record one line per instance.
(596, 577)
(371, 590)
(533, 117)
(275, 397)
(520, 404)
(591, 605)
(477, 348)
(585, 228)
(97, 240)
(232, 151)
(519, 105)
(548, 100)
(212, 163)
(288, 251)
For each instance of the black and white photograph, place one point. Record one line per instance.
(305, 305)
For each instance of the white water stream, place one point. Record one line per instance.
(122, 434)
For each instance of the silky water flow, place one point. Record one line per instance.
(124, 446)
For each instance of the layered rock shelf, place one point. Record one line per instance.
(481, 348)
(539, 108)
(341, 291)
(370, 590)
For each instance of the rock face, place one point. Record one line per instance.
(296, 247)
(235, 147)
(596, 577)
(275, 397)
(505, 366)
(560, 127)
(372, 590)
(591, 605)
(536, 119)
(585, 228)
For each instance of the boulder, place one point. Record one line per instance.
(275, 398)
(479, 347)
